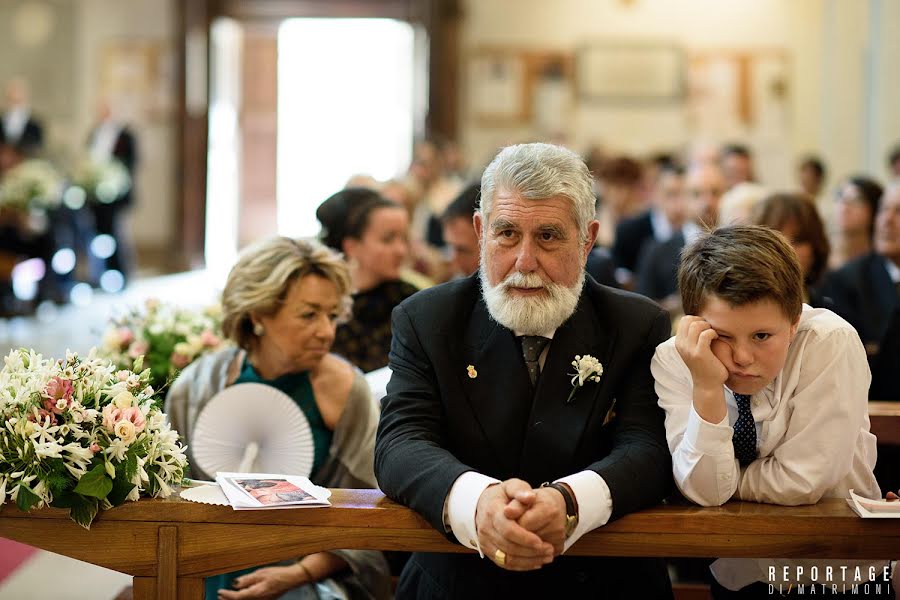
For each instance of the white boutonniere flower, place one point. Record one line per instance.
(587, 368)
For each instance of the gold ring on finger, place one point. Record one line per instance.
(500, 557)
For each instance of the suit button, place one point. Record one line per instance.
(581, 577)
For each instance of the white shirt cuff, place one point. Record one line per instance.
(710, 439)
(594, 503)
(459, 509)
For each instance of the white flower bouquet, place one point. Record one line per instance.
(81, 434)
(103, 182)
(32, 184)
(169, 338)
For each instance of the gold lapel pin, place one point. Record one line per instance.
(472, 372)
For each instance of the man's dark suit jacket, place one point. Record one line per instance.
(657, 272)
(631, 234)
(31, 140)
(863, 293)
(437, 423)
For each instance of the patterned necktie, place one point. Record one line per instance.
(744, 438)
(532, 346)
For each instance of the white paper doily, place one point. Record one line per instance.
(253, 427)
(206, 494)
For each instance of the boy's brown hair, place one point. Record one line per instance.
(741, 264)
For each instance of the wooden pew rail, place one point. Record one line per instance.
(170, 545)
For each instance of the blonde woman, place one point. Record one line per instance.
(282, 303)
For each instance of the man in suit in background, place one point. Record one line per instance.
(459, 233)
(658, 224)
(866, 292)
(110, 140)
(18, 127)
(657, 273)
(482, 408)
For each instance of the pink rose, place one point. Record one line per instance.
(209, 339)
(134, 415)
(138, 348)
(111, 414)
(179, 360)
(126, 336)
(95, 447)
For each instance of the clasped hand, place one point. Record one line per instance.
(527, 525)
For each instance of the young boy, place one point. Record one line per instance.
(765, 398)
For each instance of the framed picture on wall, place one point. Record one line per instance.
(497, 87)
(630, 72)
(138, 76)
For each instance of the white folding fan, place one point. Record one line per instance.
(250, 428)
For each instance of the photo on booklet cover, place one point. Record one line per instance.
(272, 491)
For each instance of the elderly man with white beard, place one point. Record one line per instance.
(521, 411)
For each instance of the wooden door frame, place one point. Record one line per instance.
(440, 18)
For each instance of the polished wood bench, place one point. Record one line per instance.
(884, 418)
(170, 545)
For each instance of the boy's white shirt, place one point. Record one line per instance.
(812, 426)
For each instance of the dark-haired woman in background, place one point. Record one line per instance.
(796, 217)
(373, 234)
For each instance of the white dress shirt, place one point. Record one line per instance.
(812, 426)
(14, 122)
(103, 141)
(462, 500)
(893, 270)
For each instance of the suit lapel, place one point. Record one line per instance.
(555, 427)
(499, 394)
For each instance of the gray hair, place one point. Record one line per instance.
(264, 272)
(540, 171)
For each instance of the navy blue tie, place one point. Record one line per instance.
(744, 438)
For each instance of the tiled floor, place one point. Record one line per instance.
(26, 574)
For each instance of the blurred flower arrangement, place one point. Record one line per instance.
(32, 184)
(103, 182)
(168, 338)
(81, 434)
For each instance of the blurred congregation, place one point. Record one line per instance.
(81, 213)
(145, 138)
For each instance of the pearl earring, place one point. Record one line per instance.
(258, 329)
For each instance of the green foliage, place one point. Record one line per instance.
(95, 483)
(26, 498)
(84, 510)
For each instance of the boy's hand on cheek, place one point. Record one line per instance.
(693, 342)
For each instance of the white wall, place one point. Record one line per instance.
(834, 109)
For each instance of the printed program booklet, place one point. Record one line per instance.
(260, 491)
(874, 509)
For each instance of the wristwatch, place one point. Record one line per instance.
(571, 510)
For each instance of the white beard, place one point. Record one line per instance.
(530, 315)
